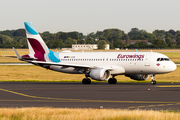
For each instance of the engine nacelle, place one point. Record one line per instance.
(100, 74)
(138, 76)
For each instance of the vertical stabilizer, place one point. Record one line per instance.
(37, 46)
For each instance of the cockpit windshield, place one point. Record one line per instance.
(163, 59)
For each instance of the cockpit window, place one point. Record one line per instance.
(166, 59)
(163, 59)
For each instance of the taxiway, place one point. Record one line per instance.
(77, 95)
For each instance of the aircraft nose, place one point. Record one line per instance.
(173, 66)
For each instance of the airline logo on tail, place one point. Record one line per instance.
(37, 46)
(35, 42)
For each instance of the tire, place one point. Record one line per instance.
(86, 81)
(112, 81)
(153, 82)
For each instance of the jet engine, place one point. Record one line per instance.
(100, 74)
(138, 76)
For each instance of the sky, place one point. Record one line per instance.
(88, 16)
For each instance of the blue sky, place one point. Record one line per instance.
(88, 16)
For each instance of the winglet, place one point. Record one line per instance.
(136, 50)
(17, 54)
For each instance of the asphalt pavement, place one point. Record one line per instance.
(76, 95)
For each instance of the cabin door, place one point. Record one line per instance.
(147, 60)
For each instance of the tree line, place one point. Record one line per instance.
(114, 37)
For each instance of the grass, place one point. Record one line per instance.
(38, 74)
(174, 56)
(5, 52)
(84, 114)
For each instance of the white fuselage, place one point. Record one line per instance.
(121, 62)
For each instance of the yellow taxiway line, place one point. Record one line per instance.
(83, 100)
(167, 86)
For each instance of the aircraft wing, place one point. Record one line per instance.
(72, 65)
(61, 64)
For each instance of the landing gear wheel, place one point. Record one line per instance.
(112, 81)
(86, 81)
(153, 82)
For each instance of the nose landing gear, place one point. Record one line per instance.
(153, 81)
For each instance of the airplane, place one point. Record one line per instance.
(98, 66)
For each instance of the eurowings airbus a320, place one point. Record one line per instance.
(99, 66)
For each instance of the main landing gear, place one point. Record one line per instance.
(86, 81)
(112, 80)
(153, 81)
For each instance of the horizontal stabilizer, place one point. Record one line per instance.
(26, 58)
(9, 56)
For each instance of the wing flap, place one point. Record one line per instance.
(114, 69)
